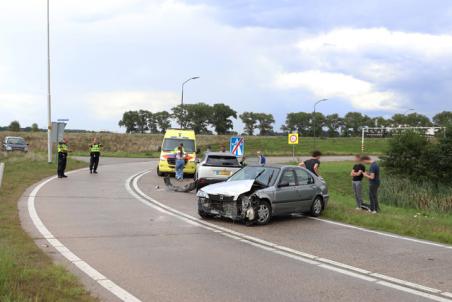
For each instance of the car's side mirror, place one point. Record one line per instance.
(198, 151)
(283, 183)
(159, 149)
(197, 161)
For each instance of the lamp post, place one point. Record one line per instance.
(313, 119)
(182, 97)
(49, 111)
(408, 111)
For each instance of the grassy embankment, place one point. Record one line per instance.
(146, 145)
(414, 219)
(26, 272)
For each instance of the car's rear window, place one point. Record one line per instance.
(16, 141)
(222, 161)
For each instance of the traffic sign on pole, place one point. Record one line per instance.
(293, 138)
(237, 146)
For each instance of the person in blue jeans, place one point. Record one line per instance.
(374, 183)
(180, 163)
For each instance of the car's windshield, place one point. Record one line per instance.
(170, 144)
(267, 175)
(16, 141)
(222, 160)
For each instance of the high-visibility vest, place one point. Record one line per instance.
(62, 148)
(95, 148)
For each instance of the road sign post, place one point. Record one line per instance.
(292, 139)
(237, 146)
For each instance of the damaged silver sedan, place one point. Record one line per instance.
(255, 194)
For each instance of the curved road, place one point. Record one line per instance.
(131, 240)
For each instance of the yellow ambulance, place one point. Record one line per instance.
(172, 139)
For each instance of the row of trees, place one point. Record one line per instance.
(15, 126)
(200, 117)
(205, 119)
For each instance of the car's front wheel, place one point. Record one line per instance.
(316, 207)
(263, 212)
(204, 215)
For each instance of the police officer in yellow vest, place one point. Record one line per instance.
(94, 150)
(62, 157)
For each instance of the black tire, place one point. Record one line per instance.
(316, 207)
(204, 215)
(159, 173)
(263, 212)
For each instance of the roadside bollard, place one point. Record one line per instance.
(2, 166)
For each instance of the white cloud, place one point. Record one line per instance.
(361, 94)
(23, 107)
(365, 40)
(108, 105)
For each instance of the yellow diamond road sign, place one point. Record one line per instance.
(293, 138)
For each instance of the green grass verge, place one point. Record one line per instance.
(423, 224)
(26, 272)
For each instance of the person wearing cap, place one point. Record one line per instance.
(62, 149)
(94, 152)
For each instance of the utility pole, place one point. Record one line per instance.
(313, 119)
(49, 111)
(182, 98)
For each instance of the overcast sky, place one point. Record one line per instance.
(379, 57)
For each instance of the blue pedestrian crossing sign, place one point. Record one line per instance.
(237, 146)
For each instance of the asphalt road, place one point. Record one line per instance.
(129, 239)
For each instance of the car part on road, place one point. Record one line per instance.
(186, 188)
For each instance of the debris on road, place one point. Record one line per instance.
(186, 188)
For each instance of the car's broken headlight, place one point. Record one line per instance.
(202, 194)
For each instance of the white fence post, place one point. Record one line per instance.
(2, 166)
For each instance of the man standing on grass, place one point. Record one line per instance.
(374, 182)
(313, 164)
(357, 176)
(261, 159)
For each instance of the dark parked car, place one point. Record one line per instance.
(255, 194)
(12, 143)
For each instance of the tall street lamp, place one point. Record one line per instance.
(182, 97)
(49, 117)
(313, 118)
(408, 111)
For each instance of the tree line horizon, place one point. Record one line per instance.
(217, 119)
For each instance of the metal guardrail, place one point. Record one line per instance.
(2, 167)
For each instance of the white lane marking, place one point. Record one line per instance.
(413, 291)
(409, 284)
(447, 294)
(383, 233)
(332, 265)
(347, 272)
(119, 292)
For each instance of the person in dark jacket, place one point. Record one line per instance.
(374, 182)
(313, 164)
(62, 150)
(94, 152)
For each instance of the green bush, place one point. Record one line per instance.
(419, 158)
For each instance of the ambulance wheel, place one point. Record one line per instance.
(159, 173)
